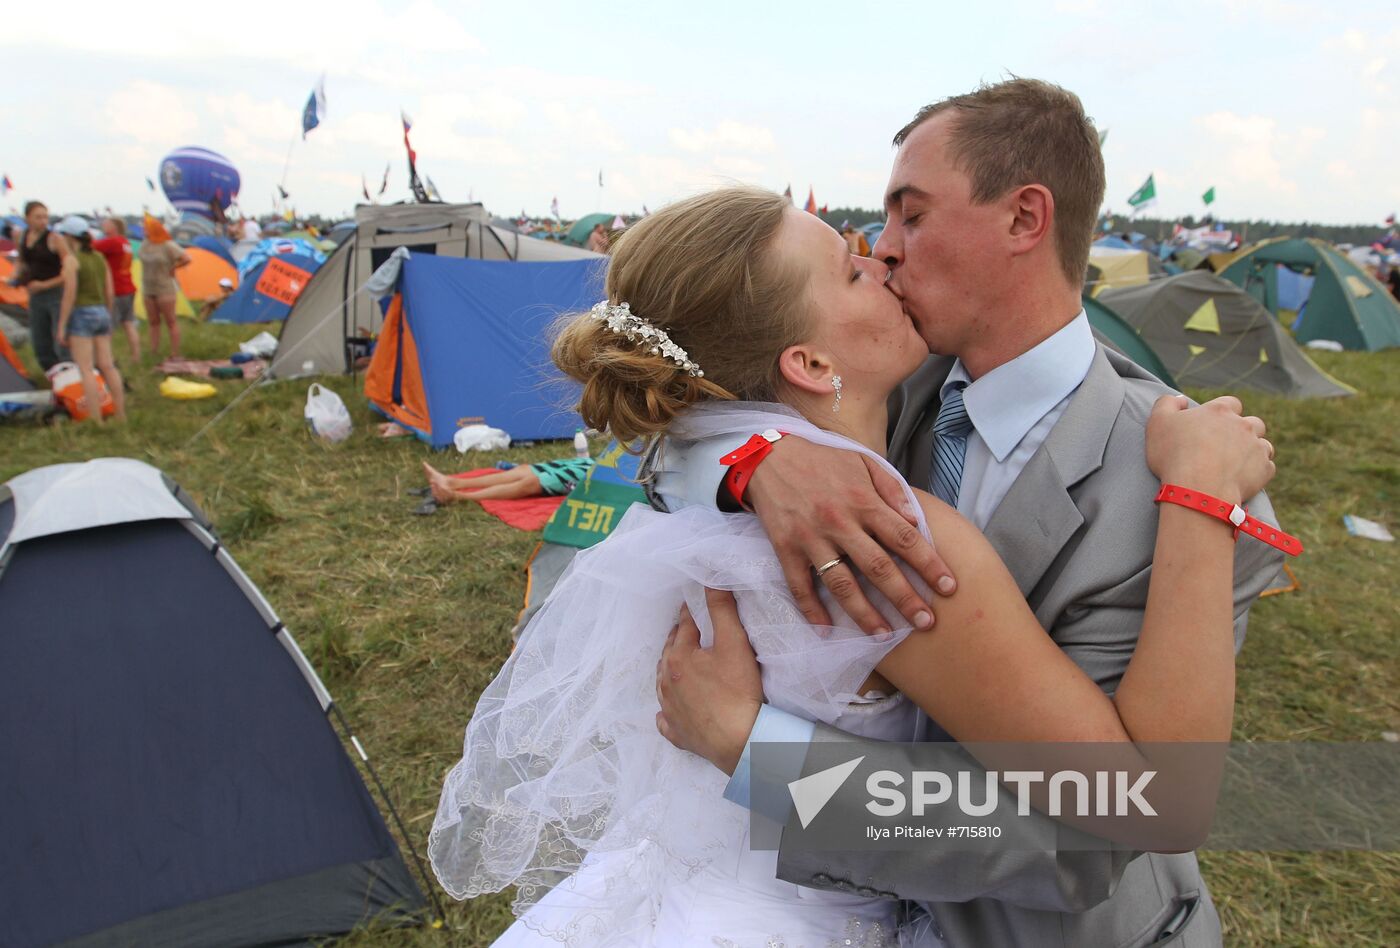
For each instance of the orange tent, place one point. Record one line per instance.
(200, 280)
(13, 295)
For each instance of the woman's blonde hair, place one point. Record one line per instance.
(703, 269)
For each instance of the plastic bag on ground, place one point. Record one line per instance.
(480, 438)
(327, 414)
(67, 383)
(263, 345)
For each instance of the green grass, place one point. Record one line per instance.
(407, 618)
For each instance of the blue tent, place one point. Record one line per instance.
(166, 750)
(467, 342)
(248, 304)
(219, 246)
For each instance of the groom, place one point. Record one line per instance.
(991, 209)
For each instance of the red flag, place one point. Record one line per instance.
(811, 207)
(414, 184)
(823, 210)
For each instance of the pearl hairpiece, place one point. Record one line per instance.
(621, 319)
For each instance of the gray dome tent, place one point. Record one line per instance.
(169, 771)
(331, 320)
(1212, 334)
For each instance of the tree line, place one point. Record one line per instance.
(1161, 228)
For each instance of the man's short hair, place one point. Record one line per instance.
(1027, 131)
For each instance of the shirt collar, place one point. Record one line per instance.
(1005, 404)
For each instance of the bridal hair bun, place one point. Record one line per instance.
(698, 307)
(627, 388)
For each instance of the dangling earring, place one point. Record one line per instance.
(836, 384)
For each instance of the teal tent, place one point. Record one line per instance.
(578, 233)
(1346, 303)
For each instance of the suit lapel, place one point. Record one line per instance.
(1038, 516)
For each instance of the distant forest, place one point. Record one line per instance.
(1159, 229)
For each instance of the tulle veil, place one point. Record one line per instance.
(562, 759)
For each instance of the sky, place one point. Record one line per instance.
(1290, 110)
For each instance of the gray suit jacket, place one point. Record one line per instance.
(1077, 531)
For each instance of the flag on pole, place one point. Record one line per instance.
(384, 185)
(600, 177)
(1209, 196)
(315, 108)
(787, 193)
(6, 186)
(364, 187)
(645, 212)
(554, 207)
(414, 184)
(283, 191)
(1144, 196)
(150, 184)
(811, 206)
(822, 209)
(433, 191)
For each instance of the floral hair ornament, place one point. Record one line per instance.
(621, 319)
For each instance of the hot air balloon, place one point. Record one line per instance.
(195, 179)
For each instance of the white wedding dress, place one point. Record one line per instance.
(566, 790)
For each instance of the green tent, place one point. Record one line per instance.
(578, 234)
(1212, 334)
(1115, 332)
(1347, 304)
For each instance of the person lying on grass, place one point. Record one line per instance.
(545, 479)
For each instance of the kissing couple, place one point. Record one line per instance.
(948, 390)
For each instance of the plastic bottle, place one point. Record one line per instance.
(580, 444)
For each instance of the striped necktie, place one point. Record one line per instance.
(950, 431)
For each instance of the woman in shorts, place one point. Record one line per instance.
(85, 316)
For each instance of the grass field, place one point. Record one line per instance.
(407, 618)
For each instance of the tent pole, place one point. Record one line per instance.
(393, 811)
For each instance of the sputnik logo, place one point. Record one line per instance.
(814, 791)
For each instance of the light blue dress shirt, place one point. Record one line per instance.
(1013, 407)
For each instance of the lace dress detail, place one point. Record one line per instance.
(566, 790)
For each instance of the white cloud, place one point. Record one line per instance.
(739, 167)
(725, 136)
(1340, 170)
(151, 111)
(305, 35)
(1244, 148)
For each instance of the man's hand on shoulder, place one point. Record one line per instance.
(820, 503)
(709, 697)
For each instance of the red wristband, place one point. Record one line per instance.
(1233, 514)
(743, 461)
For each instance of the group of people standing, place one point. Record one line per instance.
(81, 287)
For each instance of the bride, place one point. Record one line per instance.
(730, 313)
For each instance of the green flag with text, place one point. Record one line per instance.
(1144, 195)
